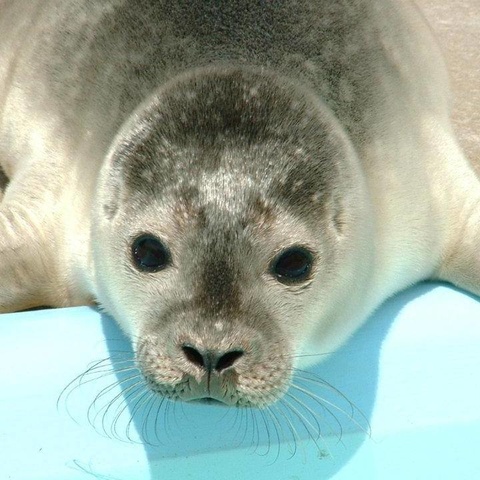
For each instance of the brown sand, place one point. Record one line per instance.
(457, 25)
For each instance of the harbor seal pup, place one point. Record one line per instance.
(237, 183)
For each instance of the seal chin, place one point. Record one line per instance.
(232, 389)
(233, 397)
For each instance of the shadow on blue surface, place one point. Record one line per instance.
(172, 429)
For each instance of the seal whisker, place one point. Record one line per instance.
(304, 376)
(310, 411)
(117, 383)
(157, 413)
(102, 393)
(245, 415)
(247, 439)
(127, 399)
(182, 404)
(255, 431)
(94, 369)
(175, 414)
(312, 377)
(122, 397)
(138, 403)
(146, 422)
(227, 413)
(305, 422)
(235, 422)
(107, 373)
(309, 355)
(261, 424)
(325, 408)
(290, 426)
(78, 379)
(353, 407)
(277, 427)
(166, 417)
(326, 404)
(239, 418)
(267, 431)
(251, 439)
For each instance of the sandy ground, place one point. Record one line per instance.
(457, 25)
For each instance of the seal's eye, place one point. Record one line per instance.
(150, 254)
(292, 265)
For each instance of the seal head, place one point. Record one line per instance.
(221, 229)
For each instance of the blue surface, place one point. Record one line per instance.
(412, 373)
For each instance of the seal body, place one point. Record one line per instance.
(237, 183)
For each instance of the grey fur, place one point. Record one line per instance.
(232, 131)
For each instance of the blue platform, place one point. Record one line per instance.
(410, 409)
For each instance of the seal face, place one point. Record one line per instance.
(238, 184)
(241, 168)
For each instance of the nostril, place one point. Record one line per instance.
(193, 355)
(228, 359)
(211, 360)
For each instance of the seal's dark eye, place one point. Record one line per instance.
(150, 254)
(292, 265)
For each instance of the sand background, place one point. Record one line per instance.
(457, 26)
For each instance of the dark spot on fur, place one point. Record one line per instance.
(260, 212)
(218, 265)
(4, 181)
(219, 289)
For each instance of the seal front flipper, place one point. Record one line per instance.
(460, 196)
(461, 264)
(23, 260)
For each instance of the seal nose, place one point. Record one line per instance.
(210, 360)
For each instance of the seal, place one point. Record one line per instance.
(238, 184)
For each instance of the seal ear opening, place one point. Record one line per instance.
(112, 182)
(110, 204)
(110, 189)
(337, 216)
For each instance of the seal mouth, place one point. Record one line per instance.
(209, 401)
(252, 382)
